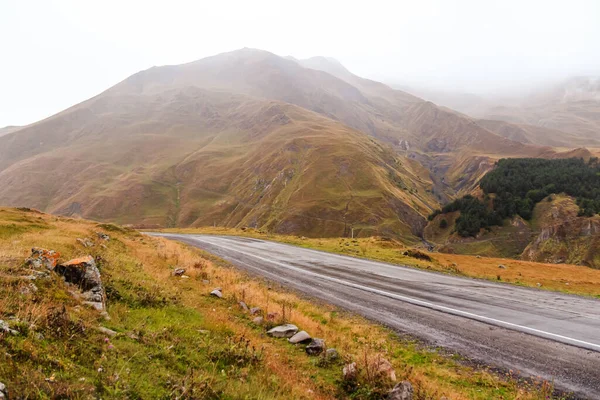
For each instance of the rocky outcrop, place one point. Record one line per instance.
(83, 273)
(42, 258)
(565, 237)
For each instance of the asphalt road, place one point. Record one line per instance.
(537, 333)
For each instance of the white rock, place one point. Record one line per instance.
(283, 331)
(299, 337)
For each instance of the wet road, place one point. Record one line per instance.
(538, 333)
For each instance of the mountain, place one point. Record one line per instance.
(9, 129)
(189, 156)
(251, 138)
(571, 107)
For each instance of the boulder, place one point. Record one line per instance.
(283, 331)
(299, 337)
(350, 371)
(402, 391)
(258, 320)
(216, 293)
(244, 306)
(179, 272)
(83, 273)
(42, 258)
(315, 347)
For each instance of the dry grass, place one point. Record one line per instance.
(176, 341)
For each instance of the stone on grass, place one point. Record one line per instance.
(42, 258)
(4, 327)
(179, 272)
(258, 320)
(283, 331)
(332, 354)
(350, 371)
(244, 306)
(3, 391)
(216, 293)
(385, 368)
(83, 273)
(106, 331)
(501, 266)
(85, 242)
(315, 347)
(402, 391)
(103, 236)
(255, 311)
(300, 337)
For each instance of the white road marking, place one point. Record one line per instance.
(481, 318)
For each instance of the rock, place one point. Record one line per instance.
(103, 236)
(255, 311)
(402, 391)
(332, 354)
(42, 258)
(315, 347)
(185, 277)
(244, 306)
(349, 372)
(258, 320)
(216, 293)
(179, 272)
(4, 327)
(3, 391)
(205, 281)
(478, 256)
(29, 289)
(300, 337)
(220, 289)
(501, 266)
(85, 242)
(84, 273)
(385, 368)
(106, 331)
(283, 331)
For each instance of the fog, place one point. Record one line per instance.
(58, 53)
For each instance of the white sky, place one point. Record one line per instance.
(57, 53)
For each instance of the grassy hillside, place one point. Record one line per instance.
(169, 338)
(196, 157)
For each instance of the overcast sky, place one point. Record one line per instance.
(57, 53)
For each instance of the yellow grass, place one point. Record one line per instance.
(285, 372)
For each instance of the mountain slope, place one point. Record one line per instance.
(251, 138)
(195, 157)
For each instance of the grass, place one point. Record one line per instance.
(565, 278)
(174, 340)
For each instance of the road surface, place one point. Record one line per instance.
(538, 333)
